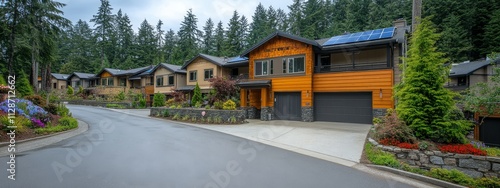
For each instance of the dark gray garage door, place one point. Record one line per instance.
(488, 131)
(287, 106)
(343, 107)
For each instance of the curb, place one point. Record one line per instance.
(42, 141)
(419, 177)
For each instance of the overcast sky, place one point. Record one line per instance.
(171, 12)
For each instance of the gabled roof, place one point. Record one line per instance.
(282, 34)
(84, 76)
(220, 61)
(467, 68)
(173, 68)
(60, 76)
(129, 72)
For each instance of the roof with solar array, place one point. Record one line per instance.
(361, 36)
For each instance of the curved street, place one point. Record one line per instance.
(121, 150)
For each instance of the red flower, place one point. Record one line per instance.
(462, 149)
(389, 142)
(408, 145)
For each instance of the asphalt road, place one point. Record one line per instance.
(127, 151)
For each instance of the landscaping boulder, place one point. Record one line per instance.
(436, 160)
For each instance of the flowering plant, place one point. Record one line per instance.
(462, 149)
(4, 89)
(24, 108)
(37, 123)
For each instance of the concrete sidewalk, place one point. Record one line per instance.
(341, 142)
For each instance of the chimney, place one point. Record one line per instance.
(399, 23)
(416, 13)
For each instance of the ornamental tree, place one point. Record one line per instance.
(422, 101)
(196, 95)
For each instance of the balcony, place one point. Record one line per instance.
(351, 67)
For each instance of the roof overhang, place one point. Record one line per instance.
(185, 88)
(280, 34)
(254, 84)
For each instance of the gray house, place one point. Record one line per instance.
(466, 74)
(81, 79)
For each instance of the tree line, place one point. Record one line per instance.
(36, 39)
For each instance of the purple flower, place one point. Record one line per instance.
(37, 123)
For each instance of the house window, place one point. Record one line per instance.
(284, 65)
(209, 73)
(171, 80)
(159, 80)
(123, 81)
(192, 76)
(462, 81)
(272, 66)
(104, 81)
(296, 65)
(261, 68)
(55, 86)
(111, 82)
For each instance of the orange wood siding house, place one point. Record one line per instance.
(293, 78)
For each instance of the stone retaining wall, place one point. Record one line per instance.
(225, 115)
(97, 103)
(472, 165)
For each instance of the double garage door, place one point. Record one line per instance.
(348, 107)
(488, 131)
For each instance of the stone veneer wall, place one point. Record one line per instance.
(250, 112)
(307, 114)
(379, 112)
(472, 165)
(224, 114)
(97, 103)
(266, 113)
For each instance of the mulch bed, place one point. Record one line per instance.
(29, 133)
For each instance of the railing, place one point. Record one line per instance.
(351, 67)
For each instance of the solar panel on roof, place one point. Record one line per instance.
(361, 36)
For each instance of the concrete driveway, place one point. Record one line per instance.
(339, 140)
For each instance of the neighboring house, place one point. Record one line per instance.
(113, 81)
(203, 67)
(347, 78)
(78, 79)
(59, 81)
(168, 77)
(466, 74)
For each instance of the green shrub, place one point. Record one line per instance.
(217, 119)
(166, 113)
(392, 127)
(380, 157)
(22, 124)
(233, 120)
(70, 90)
(112, 105)
(23, 86)
(120, 96)
(177, 116)
(54, 129)
(377, 121)
(207, 107)
(80, 89)
(142, 102)
(209, 119)
(37, 100)
(196, 95)
(68, 121)
(51, 108)
(170, 102)
(453, 176)
(185, 117)
(487, 182)
(198, 104)
(495, 152)
(158, 100)
(173, 107)
(62, 110)
(2, 81)
(193, 119)
(229, 105)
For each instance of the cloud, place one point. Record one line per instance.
(171, 12)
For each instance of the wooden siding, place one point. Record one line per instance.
(105, 74)
(200, 65)
(283, 47)
(254, 96)
(374, 81)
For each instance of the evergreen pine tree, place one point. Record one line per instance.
(219, 40)
(196, 95)
(146, 45)
(189, 36)
(208, 37)
(491, 35)
(23, 87)
(422, 101)
(295, 17)
(232, 44)
(169, 45)
(258, 27)
(103, 21)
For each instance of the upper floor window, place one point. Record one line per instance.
(171, 80)
(296, 64)
(209, 73)
(261, 68)
(192, 76)
(159, 80)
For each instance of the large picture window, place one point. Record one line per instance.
(159, 80)
(261, 68)
(296, 64)
(209, 73)
(123, 81)
(111, 82)
(192, 76)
